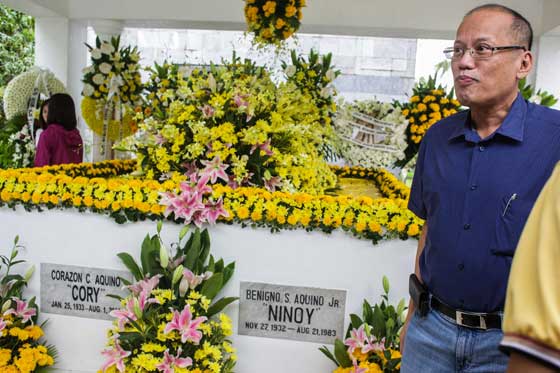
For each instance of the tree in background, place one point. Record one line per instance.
(17, 43)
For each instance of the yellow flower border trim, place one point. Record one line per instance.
(99, 188)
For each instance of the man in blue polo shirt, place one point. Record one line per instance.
(478, 175)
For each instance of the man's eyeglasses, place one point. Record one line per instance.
(478, 52)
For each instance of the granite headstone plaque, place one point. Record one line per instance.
(81, 291)
(291, 312)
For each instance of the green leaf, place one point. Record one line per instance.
(378, 322)
(328, 354)
(219, 306)
(129, 262)
(145, 255)
(183, 232)
(228, 272)
(159, 225)
(212, 286)
(342, 354)
(368, 314)
(355, 321)
(193, 251)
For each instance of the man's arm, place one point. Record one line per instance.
(520, 363)
(411, 306)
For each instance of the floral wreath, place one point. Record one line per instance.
(21, 88)
(354, 147)
(112, 87)
(272, 22)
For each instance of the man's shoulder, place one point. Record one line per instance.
(542, 114)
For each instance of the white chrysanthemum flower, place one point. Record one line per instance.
(107, 48)
(290, 71)
(88, 70)
(105, 68)
(330, 74)
(95, 54)
(88, 90)
(98, 79)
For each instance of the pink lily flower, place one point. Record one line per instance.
(22, 310)
(215, 210)
(215, 169)
(170, 361)
(124, 316)
(115, 357)
(357, 369)
(240, 100)
(147, 285)
(185, 325)
(265, 147)
(207, 111)
(273, 183)
(2, 325)
(357, 339)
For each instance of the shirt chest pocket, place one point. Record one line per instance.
(510, 221)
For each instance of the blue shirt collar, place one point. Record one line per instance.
(512, 127)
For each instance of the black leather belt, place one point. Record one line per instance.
(468, 319)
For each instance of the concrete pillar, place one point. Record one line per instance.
(51, 45)
(548, 59)
(105, 30)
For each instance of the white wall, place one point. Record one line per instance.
(51, 45)
(296, 258)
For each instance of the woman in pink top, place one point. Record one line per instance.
(60, 142)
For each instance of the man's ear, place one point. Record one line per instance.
(525, 66)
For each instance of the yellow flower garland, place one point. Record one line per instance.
(98, 188)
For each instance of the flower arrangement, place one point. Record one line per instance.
(372, 342)
(103, 188)
(112, 81)
(273, 21)
(359, 148)
(172, 319)
(21, 348)
(17, 148)
(429, 103)
(314, 77)
(161, 88)
(20, 89)
(235, 118)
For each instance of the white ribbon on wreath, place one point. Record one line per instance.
(112, 110)
(44, 76)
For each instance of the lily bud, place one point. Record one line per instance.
(29, 273)
(137, 310)
(177, 274)
(6, 306)
(163, 256)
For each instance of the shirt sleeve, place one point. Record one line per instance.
(416, 201)
(532, 311)
(43, 153)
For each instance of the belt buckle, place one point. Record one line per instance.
(481, 320)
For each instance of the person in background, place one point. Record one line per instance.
(60, 142)
(478, 174)
(41, 124)
(532, 312)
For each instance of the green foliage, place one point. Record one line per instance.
(17, 49)
(7, 146)
(541, 97)
(381, 324)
